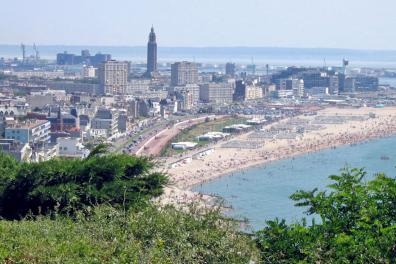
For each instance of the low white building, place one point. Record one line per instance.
(213, 136)
(45, 153)
(71, 148)
(97, 133)
(237, 128)
(184, 145)
(256, 121)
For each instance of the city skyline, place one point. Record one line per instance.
(352, 24)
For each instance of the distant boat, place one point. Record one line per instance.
(385, 158)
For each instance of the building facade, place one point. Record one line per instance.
(240, 91)
(113, 77)
(217, 93)
(105, 120)
(88, 72)
(230, 69)
(32, 132)
(253, 92)
(291, 84)
(183, 73)
(71, 148)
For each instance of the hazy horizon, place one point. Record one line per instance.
(353, 24)
(195, 47)
(218, 55)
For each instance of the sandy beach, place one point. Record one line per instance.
(228, 160)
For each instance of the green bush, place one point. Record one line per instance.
(357, 224)
(68, 185)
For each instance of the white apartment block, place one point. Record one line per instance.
(217, 93)
(253, 92)
(113, 77)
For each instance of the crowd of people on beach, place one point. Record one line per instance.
(227, 161)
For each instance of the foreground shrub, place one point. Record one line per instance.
(109, 235)
(68, 185)
(357, 224)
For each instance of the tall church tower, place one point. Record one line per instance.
(151, 54)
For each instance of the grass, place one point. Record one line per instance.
(111, 236)
(190, 134)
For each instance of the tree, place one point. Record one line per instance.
(68, 185)
(356, 223)
(8, 169)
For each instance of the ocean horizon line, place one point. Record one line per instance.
(207, 47)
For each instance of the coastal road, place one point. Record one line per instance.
(155, 144)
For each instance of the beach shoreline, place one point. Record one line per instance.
(267, 162)
(226, 161)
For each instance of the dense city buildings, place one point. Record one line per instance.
(151, 54)
(84, 99)
(291, 87)
(327, 81)
(183, 73)
(85, 58)
(113, 77)
(61, 122)
(366, 83)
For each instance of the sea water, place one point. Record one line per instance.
(241, 55)
(262, 193)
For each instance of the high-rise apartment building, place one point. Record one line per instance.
(216, 92)
(183, 73)
(230, 69)
(151, 54)
(239, 91)
(113, 77)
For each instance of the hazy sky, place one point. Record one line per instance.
(360, 24)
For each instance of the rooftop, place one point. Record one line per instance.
(28, 124)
